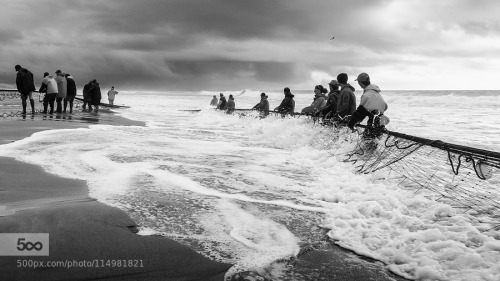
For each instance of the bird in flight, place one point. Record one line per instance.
(333, 38)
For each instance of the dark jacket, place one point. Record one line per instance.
(346, 104)
(287, 106)
(223, 103)
(71, 87)
(95, 94)
(263, 106)
(230, 106)
(86, 89)
(331, 103)
(24, 81)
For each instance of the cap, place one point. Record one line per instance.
(17, 67)
(334, 83)
(263, 94)
(45, 74)
(363, 77)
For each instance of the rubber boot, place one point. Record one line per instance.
(32, 103)
(24, 106)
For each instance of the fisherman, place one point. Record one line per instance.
(372, 103)
(318, 103)
(61, 88)
(230, 105)
(86, 96)
(331, 101)
(222, 102)
(262, 106)
(49, 87)
(111, 95)
(287, 105)
(25, 86)
(346, 104)
(214, 101)
(70, 93)
(95, 95)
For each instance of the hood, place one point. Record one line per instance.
(350, 87)
(289, 95)
(372, 87)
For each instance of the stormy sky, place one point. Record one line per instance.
(254, 44)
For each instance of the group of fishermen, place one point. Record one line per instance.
(57, 89)
(338, 106)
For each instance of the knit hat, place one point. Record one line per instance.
(286, 90)
(17, 67)
(342, 78)
(45, 74)
(363, 77)
(262, 94)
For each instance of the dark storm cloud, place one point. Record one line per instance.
(197, 44)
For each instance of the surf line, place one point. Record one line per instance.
(193, 186)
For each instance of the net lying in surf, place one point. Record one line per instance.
(464, 177)
(11, 106)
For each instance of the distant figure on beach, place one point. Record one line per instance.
(214, 101)
(372, 104)
(263, 105)
(25, 86)
(287, 105)
(49, 87)
(95, 95)
(346, 104)
(318, 103)
(230, 105)
(111, 95)
(331, 101)
(222, 102)
(62, 88)
(87, 99)
(70, 93)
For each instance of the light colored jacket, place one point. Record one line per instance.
(61, 86)
(51, 84)
(372, 99)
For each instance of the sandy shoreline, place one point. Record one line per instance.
(80, 228)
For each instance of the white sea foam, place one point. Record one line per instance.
(251, 191)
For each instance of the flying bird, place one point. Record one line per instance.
(333, 38)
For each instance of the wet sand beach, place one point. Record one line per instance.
(80, 228)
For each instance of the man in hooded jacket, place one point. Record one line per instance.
(346, 104)
(287, 105)
(263, 105)
(372, 103)
(25, 86)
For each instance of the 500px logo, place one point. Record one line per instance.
(24, 244)
(28, 246)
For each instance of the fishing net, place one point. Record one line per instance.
(11, 104)
(464, 177)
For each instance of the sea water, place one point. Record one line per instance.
(253, 191)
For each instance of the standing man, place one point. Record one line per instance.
(86, 96)
(111, 95)
(25, 86)
(372, 103)
(49, 87)
(95, 95)
(70, 92)
(346, 104)
(62, 89)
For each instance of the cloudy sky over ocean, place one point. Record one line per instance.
(254, 44)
